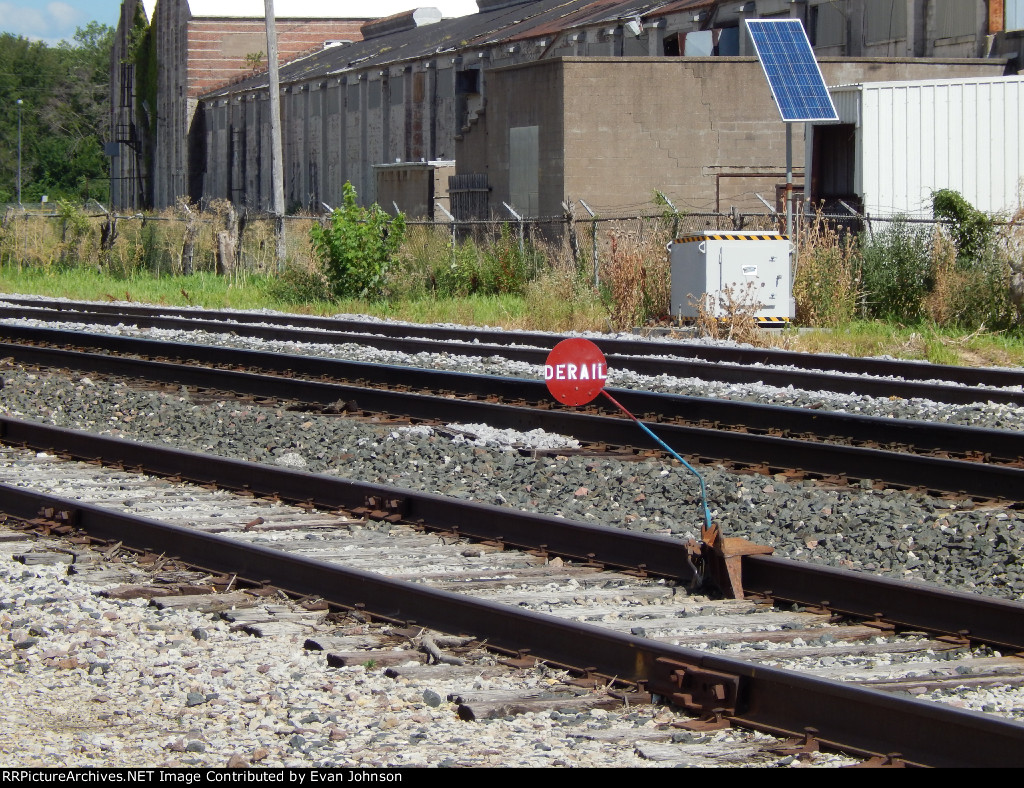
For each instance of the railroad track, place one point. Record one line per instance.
(870, 377)
(841, 448)
(657, 653)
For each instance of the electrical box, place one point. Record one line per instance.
(751, 269)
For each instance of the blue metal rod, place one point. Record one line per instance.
(645, 428)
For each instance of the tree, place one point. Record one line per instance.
(65, 115)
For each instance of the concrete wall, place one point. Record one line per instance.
(704, 131)
(198, 54)
(413, 187)
(333, 130)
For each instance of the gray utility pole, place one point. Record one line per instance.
(276, 158)
(19, 152)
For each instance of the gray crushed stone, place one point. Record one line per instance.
(909, 536)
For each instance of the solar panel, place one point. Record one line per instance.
(793, 73)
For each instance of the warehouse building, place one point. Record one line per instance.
(533, 101)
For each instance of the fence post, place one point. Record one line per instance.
(593, 239)
(570, 222)
(451, 221)
(519, 219)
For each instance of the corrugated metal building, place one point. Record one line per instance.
(897, 142)
(539, 100)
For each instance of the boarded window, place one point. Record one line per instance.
(954, 18)
(524, 169)
(1015, 14)
(885, 20)
(828, 25)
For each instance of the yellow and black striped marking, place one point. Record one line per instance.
(772, 322)
(732, 237)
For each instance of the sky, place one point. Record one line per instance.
(54, 20)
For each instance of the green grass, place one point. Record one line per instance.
(923, 342)
(548, 305)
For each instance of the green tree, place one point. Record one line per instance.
(64, 92)
(356, 245)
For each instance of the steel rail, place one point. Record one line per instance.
(1003, 622)
(777, 419)
(853, 719)
(658, 555)
(897, 468)
(646, 364)
(904, 604)
(968, 376)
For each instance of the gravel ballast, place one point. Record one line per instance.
(956, 543)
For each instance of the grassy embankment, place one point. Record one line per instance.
(532, 312)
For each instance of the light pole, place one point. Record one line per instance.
(19, 153)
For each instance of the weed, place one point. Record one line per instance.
(827, 276)
(731, 315)
(356, 246)
(897, 272)
(637, 278)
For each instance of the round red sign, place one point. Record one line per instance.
(575, 371)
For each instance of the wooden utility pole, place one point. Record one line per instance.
(276, 157)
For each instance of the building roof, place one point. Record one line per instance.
(509, 21)
(323, 9)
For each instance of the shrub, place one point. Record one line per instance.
(897, 272)
(506, 266)
(298, 285)
(356, 245)
(971, 229)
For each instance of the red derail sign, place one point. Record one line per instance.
(575, 371)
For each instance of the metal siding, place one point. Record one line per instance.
(1014, 15)
(955, 18)
(917, 138)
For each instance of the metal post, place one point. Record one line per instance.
(451, 220)
(19, 152)
(789, 179)
(511, 210)
(276, 156)
(593, 238)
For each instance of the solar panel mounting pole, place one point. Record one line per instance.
(789, 180)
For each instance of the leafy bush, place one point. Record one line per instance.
(897, 273)
(356, 245)
(971, 229)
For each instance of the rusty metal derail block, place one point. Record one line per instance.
(722, 559)
(700, 689)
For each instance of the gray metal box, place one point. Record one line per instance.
(754, 267)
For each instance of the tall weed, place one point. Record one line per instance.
(827, 278)
(897, 272)
(636, 278)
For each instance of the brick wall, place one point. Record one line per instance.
(217, 48)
